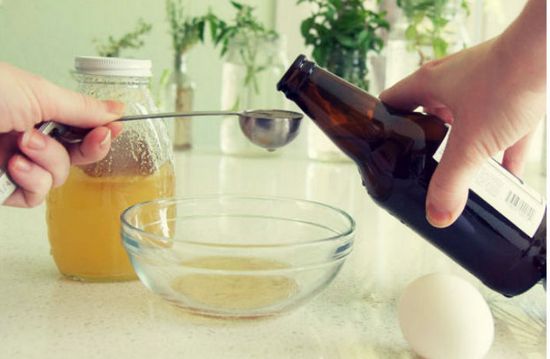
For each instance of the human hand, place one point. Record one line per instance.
(493, 94)
(41, 162)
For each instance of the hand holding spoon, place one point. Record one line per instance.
(269, 129)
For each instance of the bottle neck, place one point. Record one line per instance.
(345, 113)
(180, 63)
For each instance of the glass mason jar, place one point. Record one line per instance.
(250, 73)
(178, 97)
(83, 214)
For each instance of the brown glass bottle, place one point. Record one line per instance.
(394, 151)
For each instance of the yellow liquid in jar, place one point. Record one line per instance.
(83, 219)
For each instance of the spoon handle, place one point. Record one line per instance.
(70, 135)
(178, 114)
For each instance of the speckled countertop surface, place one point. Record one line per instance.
(43, 315)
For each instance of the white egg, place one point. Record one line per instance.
(443, 316)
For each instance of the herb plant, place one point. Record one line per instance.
(342, 33)
(132, 40)
(428, 22)
(246, 30)
(186, 31)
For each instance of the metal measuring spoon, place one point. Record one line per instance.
(269, 129)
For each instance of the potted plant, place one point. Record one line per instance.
(343, 33)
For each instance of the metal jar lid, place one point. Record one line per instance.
(112, 66)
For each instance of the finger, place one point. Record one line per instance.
(413, 91)
(34, 182)
(442, 112)
(72, 108)
(47, 153)
(448, 189)
(94, 147)
(116, 128)
(514, 157)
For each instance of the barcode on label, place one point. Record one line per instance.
(522, 207)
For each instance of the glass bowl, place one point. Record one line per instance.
(230, 256)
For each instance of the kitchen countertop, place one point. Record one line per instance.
(44, 315)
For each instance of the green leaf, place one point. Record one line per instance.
(346, 40)
(318, 55)
(306, 26)
(164, 76)
(213, 30)
(411, 33)
(418, 17)
(439, 47)
(439, 22)
(363, 36)
(237, 5)
(200, 27)
(378, 45)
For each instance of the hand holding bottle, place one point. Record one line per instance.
(42, 162)
(493, 94)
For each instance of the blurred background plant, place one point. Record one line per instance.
(429, 25)
(254, 59)
(343, 33)
(241, 39)
(52, 45)
(186, 31)
(178, 88)
(112, 47)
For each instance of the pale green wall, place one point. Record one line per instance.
(44, 36)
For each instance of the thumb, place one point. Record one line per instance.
(515, 156)
(448, 189)
(72, 108)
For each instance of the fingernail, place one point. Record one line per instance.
(33, 140)
(106, 140)
(116, 128)
(22, 164)
(114, 107)
(437, 217)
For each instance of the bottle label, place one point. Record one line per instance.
(506, 193)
